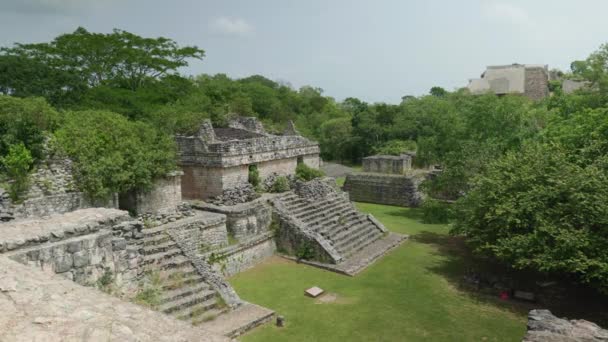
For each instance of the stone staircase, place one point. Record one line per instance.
(183, 292)
(334, 218)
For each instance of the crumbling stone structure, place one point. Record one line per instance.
(164, 196)
(524, 79)
(216, 159)
(386, 180)
(397, 165)
(317, 223)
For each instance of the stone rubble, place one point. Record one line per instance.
(543, 326)
(240, 194)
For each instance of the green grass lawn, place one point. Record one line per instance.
(409, 295)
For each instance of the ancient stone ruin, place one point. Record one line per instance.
(217, 159)
(173, 256)
(319, 224)
(530, 80)
(386, 180)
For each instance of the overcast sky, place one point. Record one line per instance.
(375, 50)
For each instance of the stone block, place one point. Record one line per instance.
(63, 263)
(314, 292)
(119, 244)
(81, 259)
(74, 246)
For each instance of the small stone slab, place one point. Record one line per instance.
(314, 292)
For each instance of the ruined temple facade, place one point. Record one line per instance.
(530, 80)
(219, 158)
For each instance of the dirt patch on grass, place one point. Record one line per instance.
(333, 298)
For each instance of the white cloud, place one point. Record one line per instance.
(231, 26)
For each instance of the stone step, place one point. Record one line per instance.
(183, 291)
(168, 254)
(344, 235)
(177, 307)
(149, 232)
(160, 248)
(341, 215)
(343, 240)
(157, 239)
(296, 201)
(207, 316)
(334, 227)
(360, 243)
(328, 211)
(304, 206)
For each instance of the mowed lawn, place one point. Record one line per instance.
(409, 295)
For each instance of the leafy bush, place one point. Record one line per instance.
(254, 176)
(536, 210)
(396, 147)
(112, 154)
(306, 173)
(281, 184)
(17, 164)
(434, 211)
(25, 121)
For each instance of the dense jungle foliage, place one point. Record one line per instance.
(530, 178)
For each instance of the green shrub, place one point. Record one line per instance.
(112, 154)
(306, 173)
(17, 164)
(396, 147)
(305, 251)
(281, 184)
(254, 176)
(434, 211)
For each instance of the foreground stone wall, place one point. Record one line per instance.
(81, 246)
(164, 197)
(378, 188)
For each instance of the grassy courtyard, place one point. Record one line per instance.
(409, 295)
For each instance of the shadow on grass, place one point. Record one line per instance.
(412, 214)
(565, 299)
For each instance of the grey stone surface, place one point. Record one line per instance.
(237, 258)
(388, 164)
(41, 307)
(164, 197)
(30, 232)
(523, 79)
(545, 327)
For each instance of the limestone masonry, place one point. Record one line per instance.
(386, 180)
(216, 159)
(525, 79)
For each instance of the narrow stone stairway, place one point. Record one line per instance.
(178, 288)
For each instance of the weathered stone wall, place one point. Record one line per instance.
(312, 160)
(202, 230)
(164, 197)
(81, 246)
(387, 164)
(378, 188)
(58, 204)
(244, 220)
(282, 167)
(237, 258)
(536, 83)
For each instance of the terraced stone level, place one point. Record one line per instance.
(184, 293)
(336, 219)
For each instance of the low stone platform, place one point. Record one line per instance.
(363, 258)
(239, 321)
(42, 307)
(23, 233)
